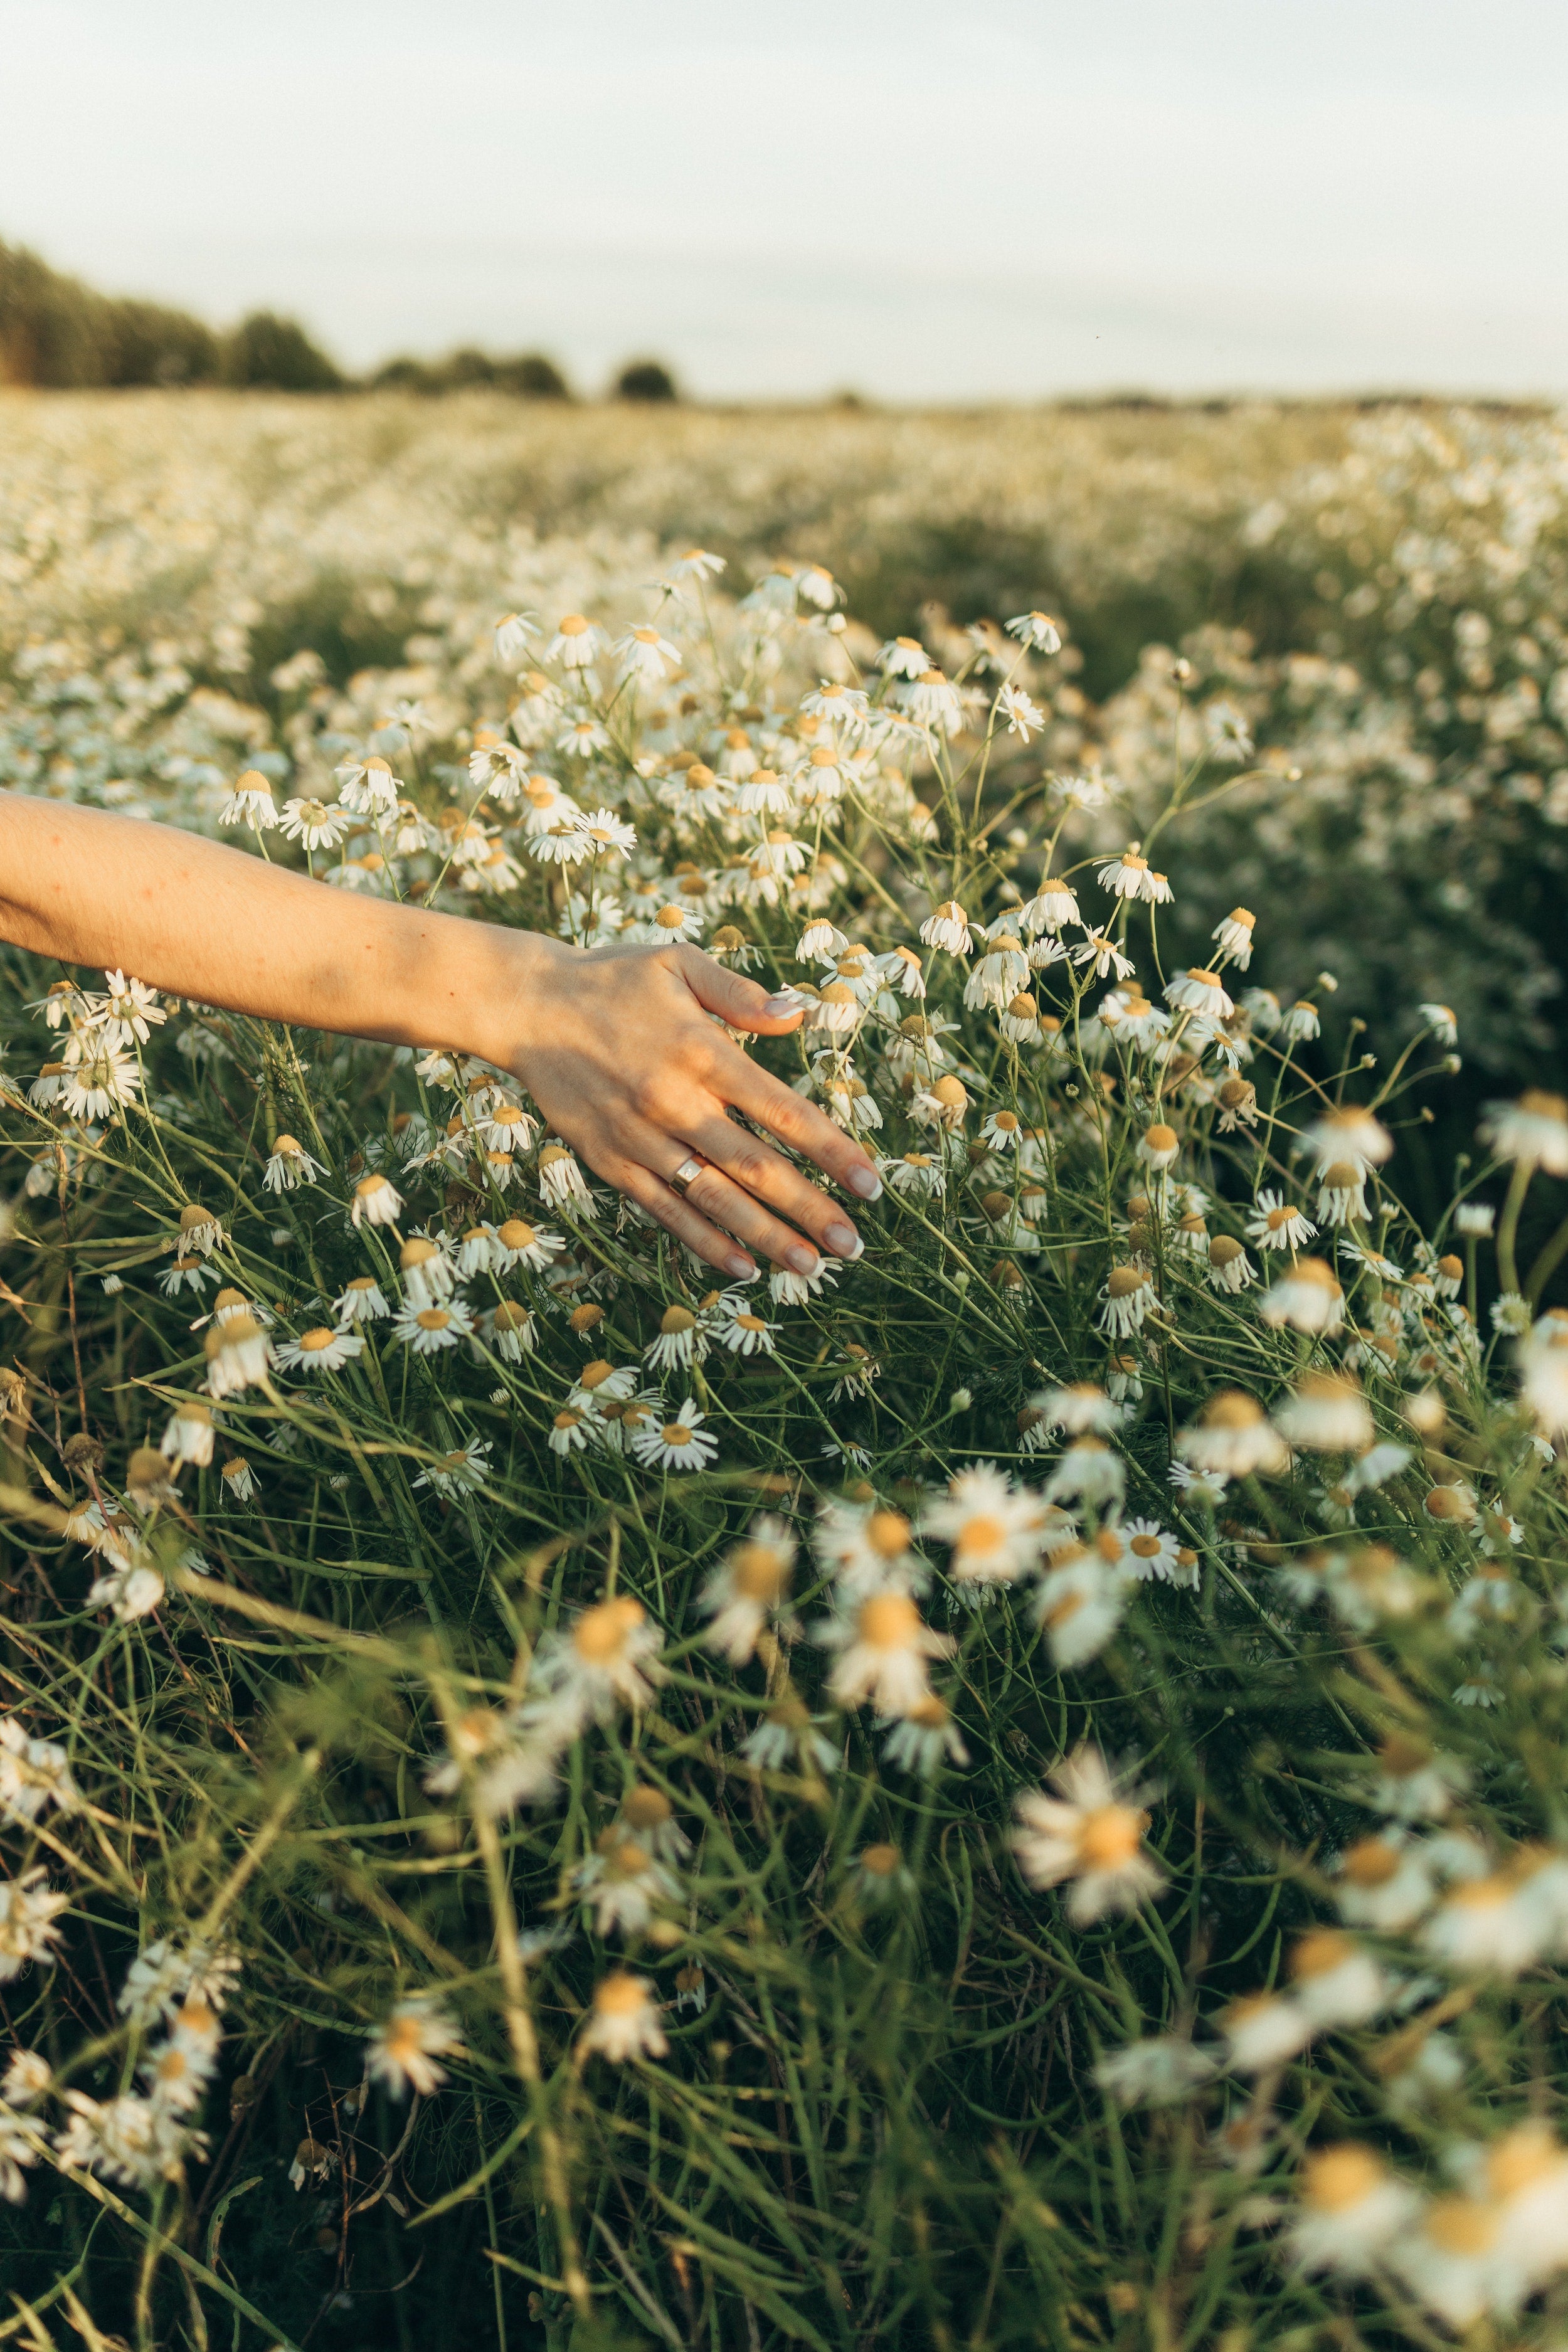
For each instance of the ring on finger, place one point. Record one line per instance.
(680, 1180)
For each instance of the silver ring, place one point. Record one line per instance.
(682, 1179)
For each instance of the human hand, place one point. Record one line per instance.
(618, 1049)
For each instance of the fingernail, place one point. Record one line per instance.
(866, 1181)
(804, 1260)
(741, 1267)
(843, 1240)
(787, 1002)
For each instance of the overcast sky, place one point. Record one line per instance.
(932, 199)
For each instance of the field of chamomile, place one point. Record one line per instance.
(1012, 1792)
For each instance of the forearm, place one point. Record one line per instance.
(200, 920)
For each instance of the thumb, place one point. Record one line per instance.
(741, 1002)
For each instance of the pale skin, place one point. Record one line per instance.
(615, 1044)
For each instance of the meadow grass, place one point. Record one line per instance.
(1050, 1828)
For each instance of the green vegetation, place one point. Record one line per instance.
(1011, 1794)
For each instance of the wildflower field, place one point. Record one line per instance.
(1014, 1790)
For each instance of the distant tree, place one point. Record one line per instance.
(265, 353)
(528, 375)
(146, 343)
(646, 380)
(404, 374)
(532, 377)
(466, 369)
(57, 332)
(49, 333)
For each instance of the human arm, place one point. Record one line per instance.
(615, 1044)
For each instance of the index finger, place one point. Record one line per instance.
(804, 1128)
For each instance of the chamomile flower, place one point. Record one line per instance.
(924, 1739)
(916, 1174)
(1342, 1196)
(904, 657)
(1532, 1131)
(1052, 904)
(742, 1332)
(461, 1472)
(1128, 1296)
(1023, 714)
(680, 1341)
(289, 1165)
(682, 1444)
(947, 926)
(239, 1351)
(883, 1646)
(1347, 1132)
(361, 1301)
(428, 1329)
(320, 1351)
(577, 643)
(95, 1082)
(1002, 970)
(186, 1273)
(1334, 1982)
(189, 1436)
(509, 1330)
(1019, 1020)
(787, 1289)
(623, 2023)
(1351, 2212)
(867, 1547)
(514, 632)
(697, 563)
(561, 1183)
(532, 1246)
(993, 1529)
(27, 2079)
(1126, 876)
(1150, 1552)
(1234, 936)
(1385, 1882)
(368, 788)
(1081, 1408)
(643, 653)
(376, 1201)
(623, 1884)
(1090, 1834)
(749, 1589)
(1275, 1224)
(1155, 2072)
(33, 1775)
(1159, 1147)
(130, 1592)
(1200, 992)
(1326, 1413)
(605, 1659)
(404, 2052)
(600, 1383)
(313, 823)
(1037, 631)
(240, 1483)
(250, 802)
(1234, 1438)
(570, 1432)
(1088, 1473)
(28, 1911)
(427, 1272)
(1308, 1297)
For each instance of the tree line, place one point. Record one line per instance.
(60, 334)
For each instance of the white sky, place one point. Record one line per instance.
(927, 200)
